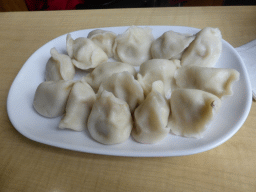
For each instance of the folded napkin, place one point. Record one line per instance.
(248, 54)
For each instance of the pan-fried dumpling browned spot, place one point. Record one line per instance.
(110, 121)
(79, 105)
(214, 80)
(191, 111)
(104, 39)
(85, 54)
(51, 97)
(105, 70)
(205, 50)
(59, 67)
(158, 69)
(170, 45)
(125, 87)
(133, 46)
(151, 118)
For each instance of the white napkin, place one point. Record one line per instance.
(248, 54)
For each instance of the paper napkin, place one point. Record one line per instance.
(248, 54)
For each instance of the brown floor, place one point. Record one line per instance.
(13, 5)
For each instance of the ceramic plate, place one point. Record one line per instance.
(28, 122)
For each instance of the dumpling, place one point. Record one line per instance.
(205, 50)
(85, 54)
(110, 121)
(133, 46)
(51, 97)
(59, 67)
(151, 118)
(125, 87)
(158, 69)
(191, 111)
(214, 80)
(104, 39)
(170, 45)
(105, 70)
(159, 87)
(79, 105)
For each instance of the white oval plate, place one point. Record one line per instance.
(28, 122)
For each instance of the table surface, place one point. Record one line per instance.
(26, 165)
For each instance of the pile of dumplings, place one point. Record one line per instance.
(152, 88)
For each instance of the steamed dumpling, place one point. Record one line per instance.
(158, 69)
(191, 111)
(105, 70)
(214, 80)
(59, 67)
(151, 118)
(79, 105)
(51, 97)
(170, 45)
(133, 46)
(125, 87)
(110, 121)
(85, 53)
(205, 50)
(159, 87)
(104, 39)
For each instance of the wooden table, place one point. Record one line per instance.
(26, 165)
